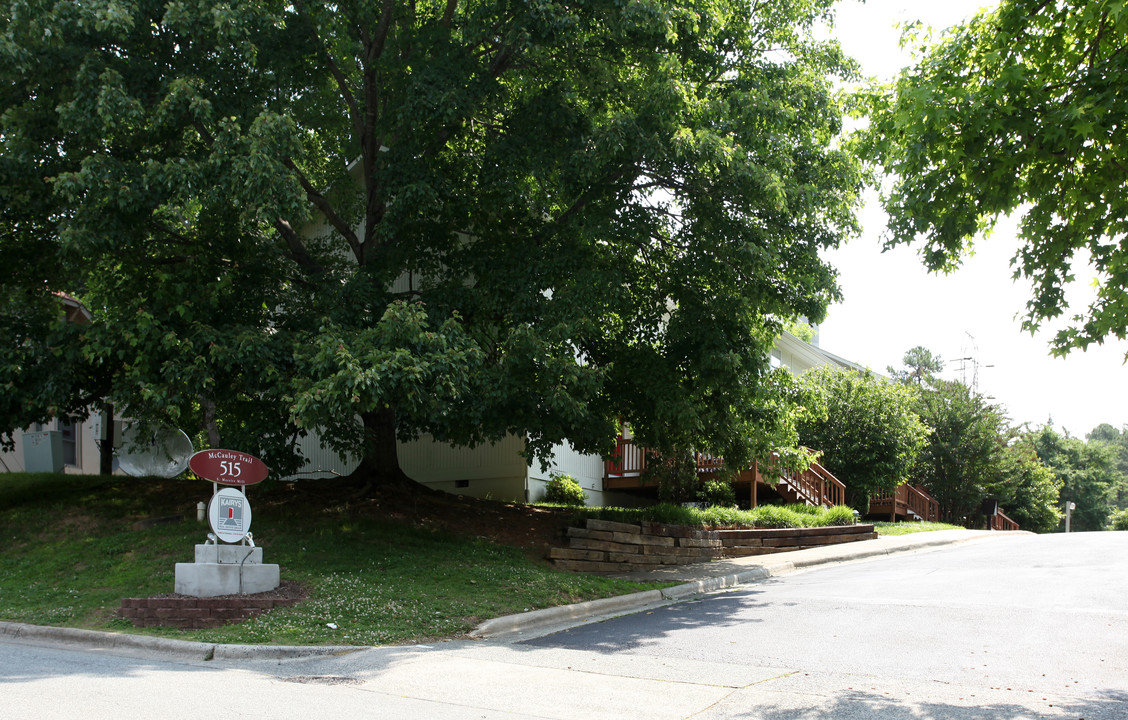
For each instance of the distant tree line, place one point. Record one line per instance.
(942, 435)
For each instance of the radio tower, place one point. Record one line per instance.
(970, 353)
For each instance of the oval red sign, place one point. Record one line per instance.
(228, 467)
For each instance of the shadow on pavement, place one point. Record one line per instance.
(635, 631)
(858, 705)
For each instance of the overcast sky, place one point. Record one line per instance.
(892, 304)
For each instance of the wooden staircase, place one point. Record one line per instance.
(813, 486)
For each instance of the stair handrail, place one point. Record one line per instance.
(834, 492)
(1000, 521)
(815, 485)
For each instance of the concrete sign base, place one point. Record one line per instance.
(228, 554)
(226, 570)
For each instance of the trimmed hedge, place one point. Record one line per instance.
(764, 516)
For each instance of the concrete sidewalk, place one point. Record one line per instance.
(692, 580)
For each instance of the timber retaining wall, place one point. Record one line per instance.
(605, 546)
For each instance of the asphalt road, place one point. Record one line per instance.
(1009, 622)
(1011, 628)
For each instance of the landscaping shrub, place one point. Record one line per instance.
(765, 516)
(671, 514)
(776, 516)
(804, 509)
(564, 490)
(725, 517)
(717, 493)
(1118, 520)
(838, 515)
(675, 476)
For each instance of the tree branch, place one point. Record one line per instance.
(206, 136)
(448, 13)
(321, 203)
(504, 61)
(297, 248)
(334, 70)
(176, 238)
(366, 129)
(375, 45)
(1095, 48)
(581, 202)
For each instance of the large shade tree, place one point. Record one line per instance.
(965, 460)
(1087, 474)
(1030, 495)
(1020, 110)
(866, 429)
(462, 218)
(1117, 439)
(919, 366)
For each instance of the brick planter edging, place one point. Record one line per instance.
(606, 546)
(189, 613)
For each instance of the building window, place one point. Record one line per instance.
(69, 428)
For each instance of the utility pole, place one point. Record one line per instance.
(1069, 508)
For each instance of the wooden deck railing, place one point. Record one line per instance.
(707, 463)
(923, 504)
(908, 501)
(1000, 521)
(816, 485)
(629, 460)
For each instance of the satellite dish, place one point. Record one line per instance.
(156, 452)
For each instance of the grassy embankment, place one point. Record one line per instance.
(74, 546)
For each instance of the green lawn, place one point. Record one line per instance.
(904, 528)
(74, 546)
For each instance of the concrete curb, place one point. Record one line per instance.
(184, 649)
(700, 587)
(547, 617)
(625, 604)
(621, 605)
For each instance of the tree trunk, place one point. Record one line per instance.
(106, 448)
(380, 465)
(209, 421)
(858, 498)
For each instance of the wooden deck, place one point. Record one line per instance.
(907, 503)
(814, 486)
(915, 503)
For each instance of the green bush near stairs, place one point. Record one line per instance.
(765, 516)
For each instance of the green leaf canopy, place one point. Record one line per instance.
(462, 218)
(867, 431)
(1021, 110)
